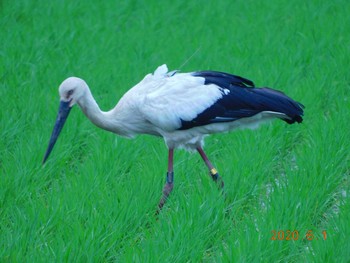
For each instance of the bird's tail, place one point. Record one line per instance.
(277, 101)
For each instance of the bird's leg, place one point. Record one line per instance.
(168, 187)
(213, 172)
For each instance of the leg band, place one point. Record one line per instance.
(170, 177)
(214, 173)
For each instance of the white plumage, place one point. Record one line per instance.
(180, 107)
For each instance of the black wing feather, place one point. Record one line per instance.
(242, 101)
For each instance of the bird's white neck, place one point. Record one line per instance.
(116, 120)
(91, 109)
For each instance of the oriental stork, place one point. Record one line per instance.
(182, 108)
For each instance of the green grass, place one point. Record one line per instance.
(94, 201)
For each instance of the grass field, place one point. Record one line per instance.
(94, 201)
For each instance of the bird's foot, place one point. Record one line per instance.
(168, 187)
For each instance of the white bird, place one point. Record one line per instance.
(182, 108)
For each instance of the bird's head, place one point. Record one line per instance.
(71, 91)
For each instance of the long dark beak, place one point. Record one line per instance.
(63, 112)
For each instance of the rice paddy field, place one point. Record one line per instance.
(286, 186)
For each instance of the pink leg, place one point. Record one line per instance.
(168, 187)
(213, 172)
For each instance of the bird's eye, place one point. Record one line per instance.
(70, 92)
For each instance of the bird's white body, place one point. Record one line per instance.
(180, 107)
(157, 105)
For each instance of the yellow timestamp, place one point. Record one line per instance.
(297, 235)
